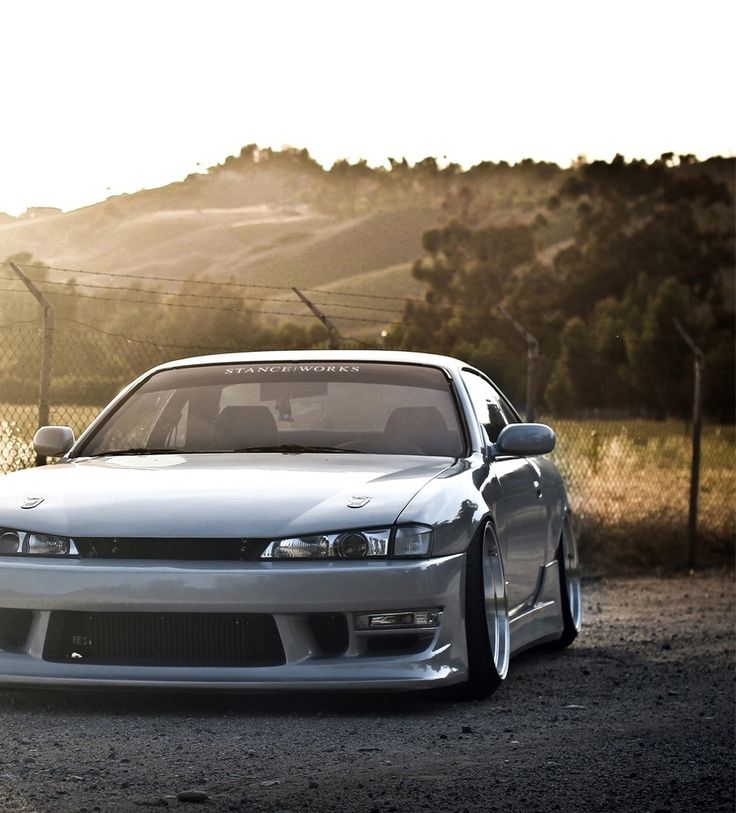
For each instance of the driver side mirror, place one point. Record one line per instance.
(524, 440)
(53, 441)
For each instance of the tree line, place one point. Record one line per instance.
(650, 244)
(596, 261)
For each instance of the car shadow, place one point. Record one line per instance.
(175, 703)
(535, 667)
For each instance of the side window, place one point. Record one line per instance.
(133, 427)
(491, 409)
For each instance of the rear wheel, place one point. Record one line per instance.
(486, 617)
(570, 591)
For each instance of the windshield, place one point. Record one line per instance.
(374, 408)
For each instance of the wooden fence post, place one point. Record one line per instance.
(692, 522)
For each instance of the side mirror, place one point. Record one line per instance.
(524, 440)
(53, 441)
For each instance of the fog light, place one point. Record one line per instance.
(405, 619)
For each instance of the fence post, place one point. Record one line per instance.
(47, 353)
(692, 522)
(532, 360)
(333, 341)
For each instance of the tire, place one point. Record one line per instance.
(486, 617)
(571, 601)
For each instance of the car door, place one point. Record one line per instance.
(520, 507)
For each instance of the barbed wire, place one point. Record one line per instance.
(481, 318)
(15, 290)
(181, 281)
(21, 322)
(147, 277)
(360, 295)
(129, 288)
(137, 301)
(214, 308)
(393, 312)
(153, 342)
(157, 343)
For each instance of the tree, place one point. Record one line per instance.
(571, 375)
(652, 241)
(467, 274)
(659, 362)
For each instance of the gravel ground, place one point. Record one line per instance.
(638, 715)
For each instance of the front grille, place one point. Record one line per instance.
(163, 639)
(201, 550)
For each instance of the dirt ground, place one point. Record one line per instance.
(638, 715)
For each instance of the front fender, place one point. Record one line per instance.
(455, 504)
(557, 503)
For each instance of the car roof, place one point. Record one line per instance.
(296, 356)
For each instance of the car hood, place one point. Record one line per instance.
(223, 495)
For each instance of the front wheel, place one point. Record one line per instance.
(486, 617)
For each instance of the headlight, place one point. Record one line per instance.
(346, 545)
(406, 540)
(14, 543)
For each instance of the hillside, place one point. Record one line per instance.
(277, 218)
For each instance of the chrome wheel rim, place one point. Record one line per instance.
(571, 565)
(496, 609)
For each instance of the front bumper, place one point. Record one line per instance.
(289, 591)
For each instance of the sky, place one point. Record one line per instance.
(101, 97)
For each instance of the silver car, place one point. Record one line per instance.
(289, 520)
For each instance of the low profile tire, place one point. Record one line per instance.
(486, 617)
(571, 599)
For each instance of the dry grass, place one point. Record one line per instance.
(629, 484)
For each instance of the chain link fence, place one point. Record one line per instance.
(629, 482)
(89, 367)
(628, 478)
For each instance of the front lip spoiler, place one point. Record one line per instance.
(443, 664)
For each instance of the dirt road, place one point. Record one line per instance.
(638, 715)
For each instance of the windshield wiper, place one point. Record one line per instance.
(136, 451)
(284, 448)
(296, 448)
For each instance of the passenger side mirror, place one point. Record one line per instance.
(524, 440)
(53, 441)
